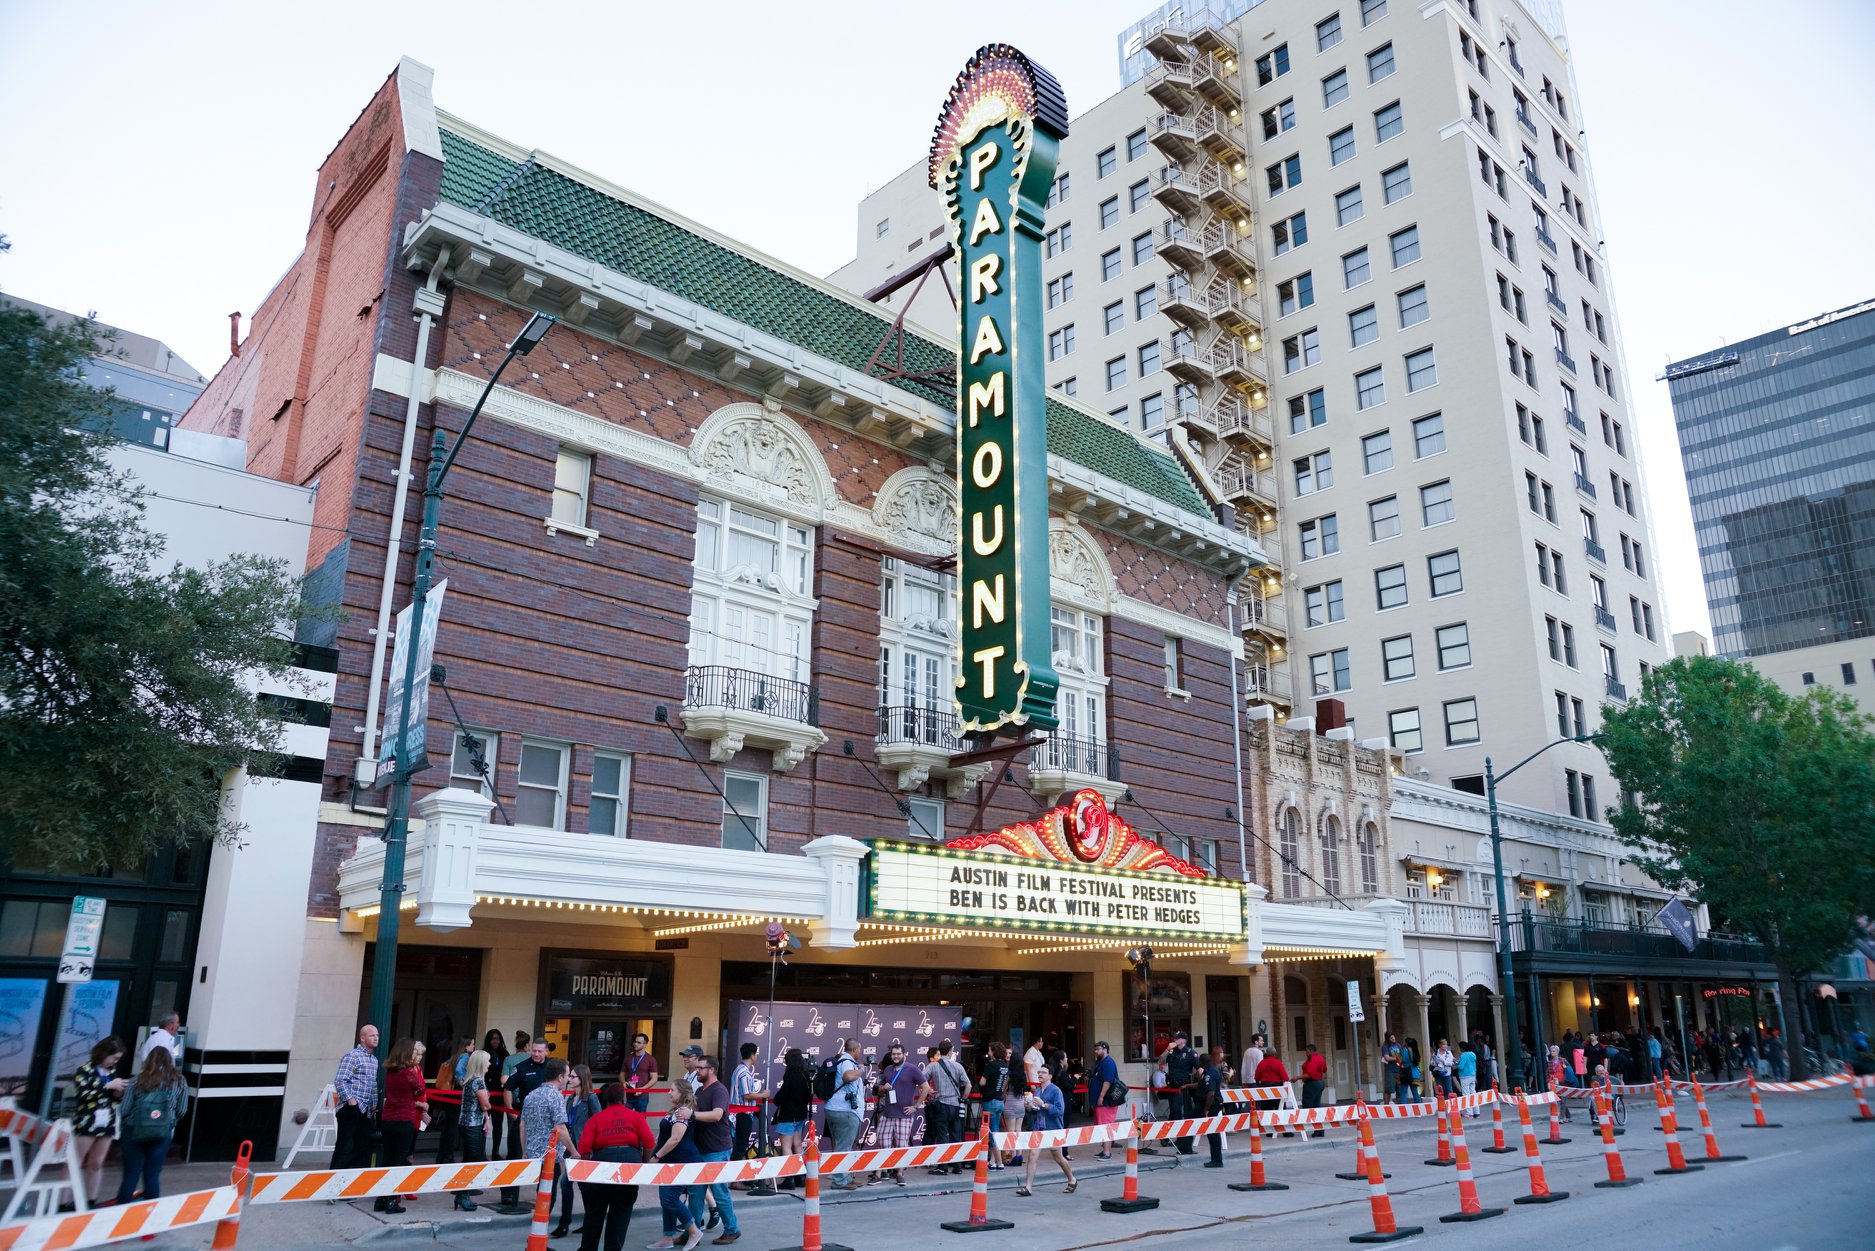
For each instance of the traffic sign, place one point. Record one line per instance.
(1355, 1013)
(80, 956)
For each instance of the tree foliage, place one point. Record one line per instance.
(1756, 802)
(126, 690)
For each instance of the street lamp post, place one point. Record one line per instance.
(397, 815)
(1509, 1046)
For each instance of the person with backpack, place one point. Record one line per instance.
(995, 1084)
(153, 1103)
(793, 1113)
(1410, 1057)
(944, 1113)
(838, 1084)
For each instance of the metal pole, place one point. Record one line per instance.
(1512, 1048)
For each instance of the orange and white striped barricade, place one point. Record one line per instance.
(1497, 1146)
(1386, 1229)
(1757, 1120)
(1712, 1155)
(144, 1218)
(1859, 1085)
(13, 1123)
(1470, 1208)
(810, 1202)
(1539, 1184)
(1670, 1126)
(1130, 1199)
(1362, 1111)
(52, 1170)
(373, 1183)
(1257, 1180)
(228, 1229)
(980, 1221)
(320, 1133)
(1555, 1138)
(543, 1204)
(1444, 1158)
(1617, 1175)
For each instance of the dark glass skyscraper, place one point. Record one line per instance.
(1778, 437)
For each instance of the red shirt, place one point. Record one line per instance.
(617, 1126)
(1271, 1072)
(403, 1095)
(1315, 1069)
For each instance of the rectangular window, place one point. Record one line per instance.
(1422, 370)
(1380, 63)
(572, 486)
(1060, 290)
(1142, 248)
(1348, 207)
(1113, 316)
(1443, 572)
(1149, 358)
(1061, 342)
(1396, 658)
(1372, 11)
(1106, 162)
(1355, 269)
(1363, 326)
(1383, 518)
(1137, 195)
(1390, 586)
(1058, 192)
(1428, 436)
(745, 811)
(1110, 265)
(1403, 730)
(1435, 504)
(1314, 473)
(1145, 303)
(1328, 32)
(1290, 233)
(1370, 388)
(1320, 537)
(1329, 671)
(1397, 183)
(1109, 211)
(1059, 240)
(1413, 308)
(1405, 244)
(1272, 65)
(1152, 410)
(472, 761)
(1136, 145)
(540, 785)
(1334, 89)
(1341, 146)
(1377, 451)
(882, 229)
(1284, 174)
(1116, 373)
(1302, 350)
(1295, 294)
(1454, 646)
(611, 794)
(1306, 411)
(1069, 386)
(1461, 722)
(1278, 119)
(1322, 604)
(1388, 122)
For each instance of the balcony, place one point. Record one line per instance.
(1228, 245)
(1555, 302)
(1170, 81)
(1608, 943)
(1584, 485)
(1216, 80)
(1565, 360)
(1225, 190)
(1208, 34)
(1180, 301)
(1233, 308)
(1542, 189)
(1062, 764)
(1172, 189)
(1547, 240)
(1263, 611)
(1217, 134)
(1175, 135)
(1575, 423)
(1170, 42)
(919, 744)
(1266, 684)
(1241, 484)
(1616, 688)
(1236, 418)
(1187, 362)
(733, 709)
(1596, 552)
(1606, 620)
(1235, 365)
(1187, 409)
(1434, 916)
(1523, 120)
(1178, 246)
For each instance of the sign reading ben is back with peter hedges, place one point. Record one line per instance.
(994, 156)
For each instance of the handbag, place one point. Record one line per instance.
(1116, 1094)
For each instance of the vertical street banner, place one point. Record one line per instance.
(413, 754)
(993, 155)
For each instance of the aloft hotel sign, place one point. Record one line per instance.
(994, 156)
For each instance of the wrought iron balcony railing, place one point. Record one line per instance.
(724, 686)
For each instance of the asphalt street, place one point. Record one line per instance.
(1810, 1185)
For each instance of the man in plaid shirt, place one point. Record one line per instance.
(902, 1087)
(355, 1094)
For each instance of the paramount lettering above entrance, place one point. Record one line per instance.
(994, 157)
(1078, 868)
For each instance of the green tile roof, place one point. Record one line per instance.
(636, 242)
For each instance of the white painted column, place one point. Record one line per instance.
(452, 826)
(837, 928)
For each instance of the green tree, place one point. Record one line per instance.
(125, 696)
(1758, 803)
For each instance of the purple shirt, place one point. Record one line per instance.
(904, 1082)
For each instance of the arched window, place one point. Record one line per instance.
(1331, 854)
(1370, 859)
(1289, 844)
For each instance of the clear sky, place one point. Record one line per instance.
(156, 161)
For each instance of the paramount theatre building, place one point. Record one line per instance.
(696, 660)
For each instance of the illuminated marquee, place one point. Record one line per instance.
(1077, 869)
(994, 157)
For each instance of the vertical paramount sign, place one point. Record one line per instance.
(994, 157)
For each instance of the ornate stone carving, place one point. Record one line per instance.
(765, 449)
(920, 505)
(1073, 560)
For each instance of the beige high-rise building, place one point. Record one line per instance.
(1346, 257)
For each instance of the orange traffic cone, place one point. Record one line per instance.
(543, 1204)
(228, 1228)
(1257, 1180)
(1444, 1158)
(1539, 1184)
(1861, 1100)
(1705, 1125)
(1130, 1200)
(979, 1222)
(1360, 1153)
(1670, 1126)
(1385, 1230)
(1617, 1175)
(1497, 1146)
(1469, 1206)
(1757, 1120)
(810, 1194)
(1555, 1138)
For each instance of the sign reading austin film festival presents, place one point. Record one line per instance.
(994, 157)
(1076, 869)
